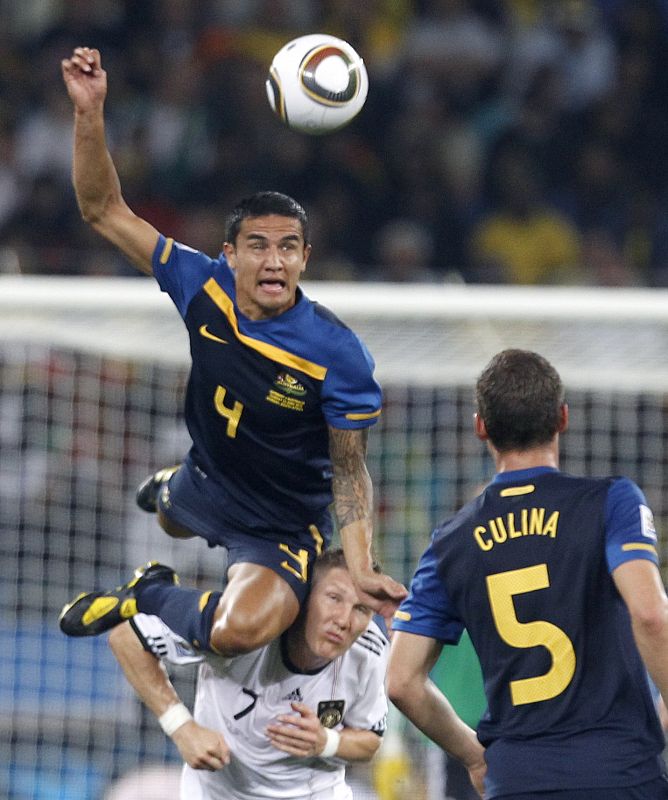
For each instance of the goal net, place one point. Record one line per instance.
(92, 375)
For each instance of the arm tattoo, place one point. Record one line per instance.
(351, 484)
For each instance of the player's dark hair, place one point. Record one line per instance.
(334, 558)
(519, 397)
(262, 204)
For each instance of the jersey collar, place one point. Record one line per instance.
(514, 475)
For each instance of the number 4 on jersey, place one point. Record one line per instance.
(231, 414)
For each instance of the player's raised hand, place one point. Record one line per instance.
(84, 78)
(379, 591)
(299, 734)
(201, 748)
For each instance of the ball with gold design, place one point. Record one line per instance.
(317, 84)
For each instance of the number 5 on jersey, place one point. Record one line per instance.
(501, 588)
(232, 414)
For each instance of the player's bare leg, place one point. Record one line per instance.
(256, 607)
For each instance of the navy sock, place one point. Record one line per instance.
(188, 612)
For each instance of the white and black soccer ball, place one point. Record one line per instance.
(317, 83)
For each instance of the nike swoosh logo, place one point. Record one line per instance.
(208, 335)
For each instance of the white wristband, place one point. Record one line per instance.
(332, 743)
(173, 718)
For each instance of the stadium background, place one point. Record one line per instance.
(487, 124)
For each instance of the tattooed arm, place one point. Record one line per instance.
(353, 506)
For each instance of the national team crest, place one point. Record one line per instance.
(289, 384)
(287, 393)
(330, 712)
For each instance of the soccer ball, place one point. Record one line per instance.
(317, 84)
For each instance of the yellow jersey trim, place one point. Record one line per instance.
(317, 538)
(364, 416)
(514, 491)
(166, 251)
(639, 546)
(402, 615)
(203, 600)
(269, 350)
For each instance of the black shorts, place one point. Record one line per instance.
(652, 790)
(288, 553)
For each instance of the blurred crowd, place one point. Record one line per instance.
(503, 141)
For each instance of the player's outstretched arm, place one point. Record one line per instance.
(201, 748)
(639, 583)
(301, 734)
(94, 175)
(353, 506)
(409, 687)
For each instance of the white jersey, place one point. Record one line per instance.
(241, 696)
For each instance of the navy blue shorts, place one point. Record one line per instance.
(185, 501)
(652, 790)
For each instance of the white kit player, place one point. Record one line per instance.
(281, 721)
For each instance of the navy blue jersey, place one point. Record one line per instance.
(526, 568)
(261, 394)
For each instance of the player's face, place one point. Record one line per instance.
(268, 259)
(335, 616)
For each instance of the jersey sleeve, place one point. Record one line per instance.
(180, 271)
(427, 611)
(162, 642)
(629, 525)
(369, 709)
(351, 396)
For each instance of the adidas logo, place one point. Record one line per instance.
(294, 696)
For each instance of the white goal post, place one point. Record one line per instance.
(92, 376)
(430, 334)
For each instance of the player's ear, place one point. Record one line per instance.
(230, 254)
(307, 253)
(480, 428)
(563, 418)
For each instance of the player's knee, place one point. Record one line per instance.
(172, 529)
(235, 635)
